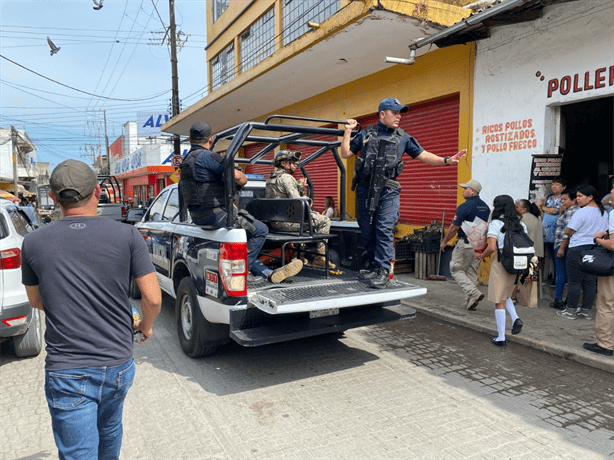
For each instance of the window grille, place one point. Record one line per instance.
(223, 67)
(297, 13)
(258, 41)
(219, 6)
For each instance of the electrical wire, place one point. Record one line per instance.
(81, 91)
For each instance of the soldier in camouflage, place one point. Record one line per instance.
(281, 184)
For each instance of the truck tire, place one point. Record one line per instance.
(30, 343)
(192, 327)
(134, 291)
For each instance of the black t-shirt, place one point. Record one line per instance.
(82, 266)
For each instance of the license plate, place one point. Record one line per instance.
(321, 313)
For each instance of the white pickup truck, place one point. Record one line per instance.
(205, 270)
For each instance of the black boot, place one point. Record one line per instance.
(558, 304)
(367, 274)
(380, 280)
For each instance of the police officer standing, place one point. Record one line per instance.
(464, 266)
(377, 196)
(282, 184)
(202, 188)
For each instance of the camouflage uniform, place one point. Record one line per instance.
(281, 184)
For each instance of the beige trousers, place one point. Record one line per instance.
(464, 268)
(604, 319)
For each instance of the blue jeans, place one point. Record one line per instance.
(86, 410)
(255, 241)
(560, 265)
(378, 236)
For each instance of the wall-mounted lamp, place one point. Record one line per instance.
(410, 61)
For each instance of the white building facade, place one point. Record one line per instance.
(543, 93)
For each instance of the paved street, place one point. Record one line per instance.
(418, 389)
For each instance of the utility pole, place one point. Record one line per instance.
(106, 140)
(175, 77)
(14, 145)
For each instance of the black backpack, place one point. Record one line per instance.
(517, 250)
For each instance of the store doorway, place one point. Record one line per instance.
(587, 143)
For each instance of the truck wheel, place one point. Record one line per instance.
(134, 291)
(30, 343)
(191, 324)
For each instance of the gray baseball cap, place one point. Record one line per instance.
(474, 184)
(72, 181)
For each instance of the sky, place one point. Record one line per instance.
(109, 60)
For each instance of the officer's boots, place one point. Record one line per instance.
(320, 261)
(380, 280)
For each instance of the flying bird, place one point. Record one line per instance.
(98, 4)
(54, 49)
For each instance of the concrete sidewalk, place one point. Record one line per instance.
(543, 329)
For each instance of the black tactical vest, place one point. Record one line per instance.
(198, 193)
(369, 150)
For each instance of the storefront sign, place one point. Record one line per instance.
(508, 136)
(148, 123)
(593, 79)
(544, 168)
(128, 163)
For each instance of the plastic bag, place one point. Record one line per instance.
(476, 233)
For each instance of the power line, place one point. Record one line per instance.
(81, 91)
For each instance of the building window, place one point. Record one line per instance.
(223, 67)
(219, 6)
(297, 13)
(258, 41)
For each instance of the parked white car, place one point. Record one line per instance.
(18, 320)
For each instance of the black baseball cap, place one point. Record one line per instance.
(200, 130)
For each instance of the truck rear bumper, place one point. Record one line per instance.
(252, 327)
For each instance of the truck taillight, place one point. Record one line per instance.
(123, 211)
(233, 268)
(10, 258)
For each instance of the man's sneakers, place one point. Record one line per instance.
(582, 313)
(595, 348)
(290, 269)
(573, 313)
(474, 300)
(569, 313)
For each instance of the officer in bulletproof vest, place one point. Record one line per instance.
(379, 150)
(282, 184)
(202, 189)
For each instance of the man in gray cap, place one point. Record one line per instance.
(78, 270)
(464, 266)
(377, 216)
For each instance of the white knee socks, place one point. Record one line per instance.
(500, 318)
(509, 306)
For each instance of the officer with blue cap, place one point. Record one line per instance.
(379, 150)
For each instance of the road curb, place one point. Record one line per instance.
(603, 363)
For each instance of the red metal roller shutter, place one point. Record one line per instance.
(251, 150)
(323, 173)
(427, 190)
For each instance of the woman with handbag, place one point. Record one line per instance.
(604, 319)
(501, 284)
(586, 222)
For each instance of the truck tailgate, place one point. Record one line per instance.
(329, 293)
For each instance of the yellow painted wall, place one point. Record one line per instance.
(437, 74)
